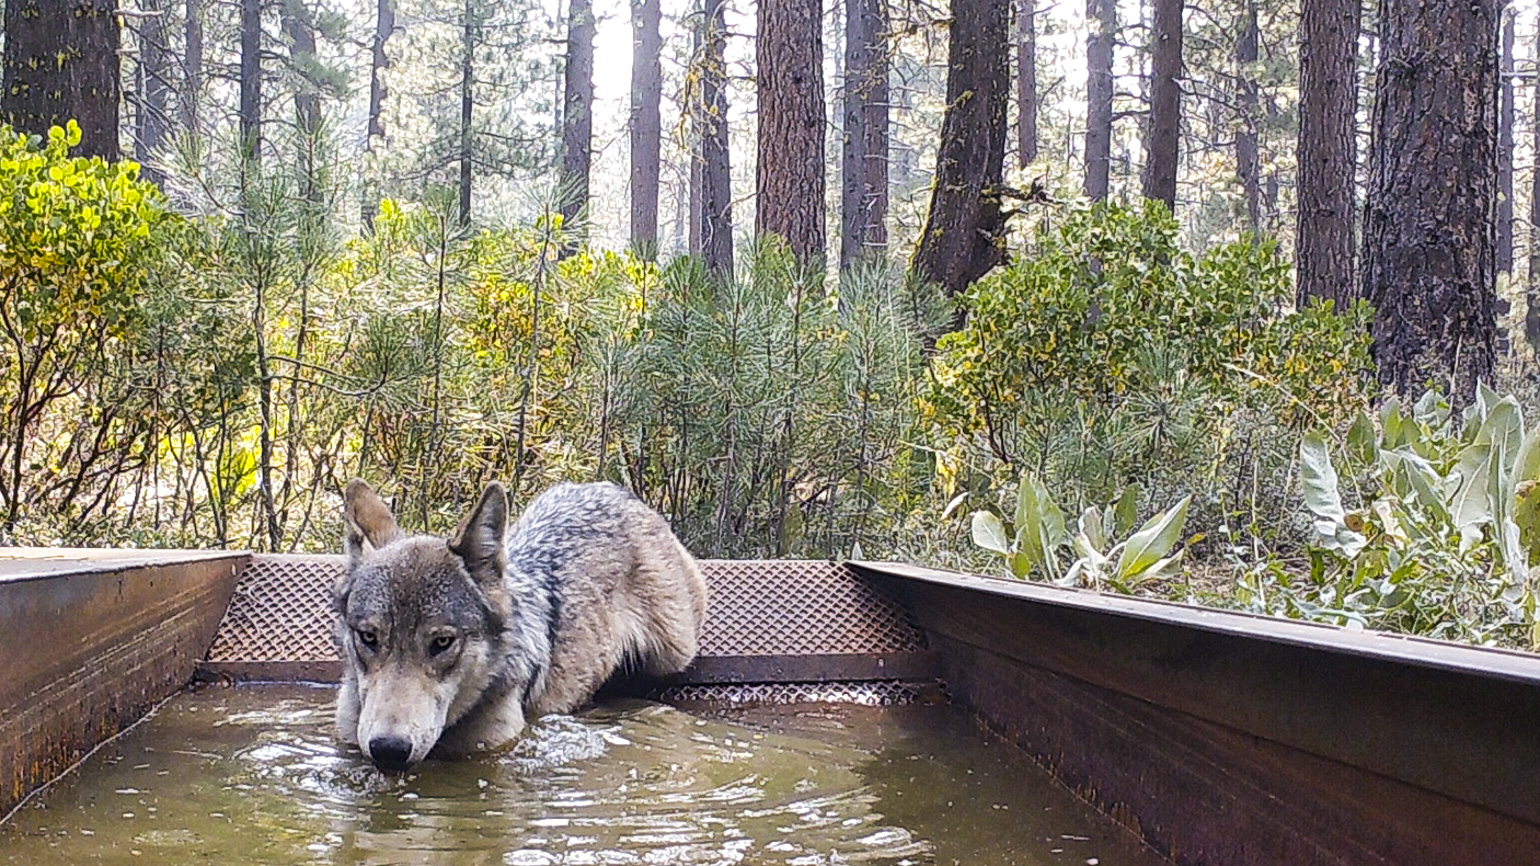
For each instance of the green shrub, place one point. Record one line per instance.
(1105, 355)
(1435, 530)
(78, 253)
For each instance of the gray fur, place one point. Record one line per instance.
(536, 618)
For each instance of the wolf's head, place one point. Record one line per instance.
(419, 624)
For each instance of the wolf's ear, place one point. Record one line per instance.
(368, 520)
(480, 539)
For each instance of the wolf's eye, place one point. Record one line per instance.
(367, 637)
(440, 644)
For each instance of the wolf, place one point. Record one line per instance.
(449, 645)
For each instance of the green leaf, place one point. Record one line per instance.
(1126, 511)
(1471, 507)
(1154, 540)
(1320, 479)
(1361, 441)
(989, 533)
(1092, 531)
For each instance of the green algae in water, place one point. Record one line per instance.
(253, 776)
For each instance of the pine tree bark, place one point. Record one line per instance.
(1430, 223)
(60, 63)
(192, 68)
(1102, 16)
(864, 161)
(1165, 129)
(155, 79)
(1505, 153)
(789, 180)
(299, 31)
(711, 197)
(384, 27)
(577, 114)
(964, 235)
(1327, 153)
(250, 109)
(1026, 82)
(468, 38)
(1248, 160)
(1532, 285)
(646, 123)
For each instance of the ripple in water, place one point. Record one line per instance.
(253, 776)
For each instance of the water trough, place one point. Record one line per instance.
(1219, 738)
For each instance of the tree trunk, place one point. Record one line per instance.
(790, 177)
(1430, 224)
(864, 163)
(299, 32)
(577, 114)
(154, 90)
(61, 64)
(1165, 127)
(1102, 16)
(1026, 81)
(1248, 158)
(192, 67)
(711, 198)
(964, 235)
(1505, 153)
(251, 79)
(1328, 84)
(1532, 286)
(384, 26)
(468, 36)
(646, 123)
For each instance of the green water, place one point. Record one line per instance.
(252, 775)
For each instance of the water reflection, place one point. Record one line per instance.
(252, 775)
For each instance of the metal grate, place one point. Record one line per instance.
(869, 693)
(800, 607)
(282, 611)
(279, 625)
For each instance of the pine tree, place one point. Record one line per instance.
(964, 235)
(1102, 17)
(1430, 247)
(1165, 102)
(646, 123)
(789, 179)
(864, 163)
(59, 64)
(577, 110)
(1328, 85)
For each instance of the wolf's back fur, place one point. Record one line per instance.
(623, 589)
(588, 580)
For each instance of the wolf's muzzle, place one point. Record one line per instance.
(391, 753)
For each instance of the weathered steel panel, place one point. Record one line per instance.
(91, 641)
(1229, 739)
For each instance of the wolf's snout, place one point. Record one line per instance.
(391, 753)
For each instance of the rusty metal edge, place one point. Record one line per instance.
(182, 626)
(1421, 652)
(1447, 724)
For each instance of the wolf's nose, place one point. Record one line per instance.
(390, 753)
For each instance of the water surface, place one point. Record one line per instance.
(252, 775)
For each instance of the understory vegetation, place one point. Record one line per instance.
(1115, 411)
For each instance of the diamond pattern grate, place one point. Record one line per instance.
(800, 607)
(282, 611)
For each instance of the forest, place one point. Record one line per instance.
(1228, 303)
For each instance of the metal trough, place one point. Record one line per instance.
(1220, 738)
(91, 640)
